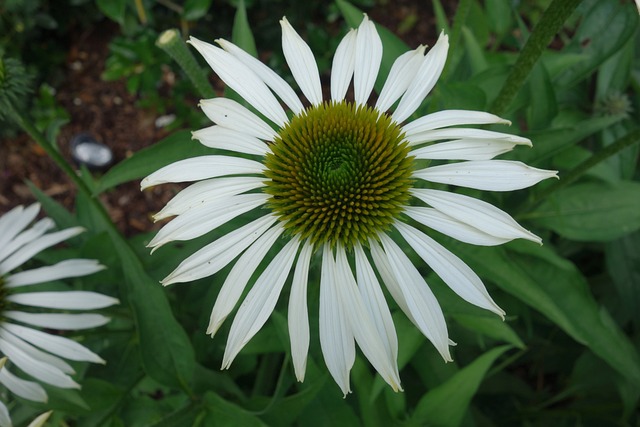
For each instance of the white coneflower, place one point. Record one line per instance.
(38, 354)
(336, 178)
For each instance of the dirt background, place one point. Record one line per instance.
(109, 113)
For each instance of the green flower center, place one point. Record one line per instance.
(338, 173)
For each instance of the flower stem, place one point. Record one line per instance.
(171, 42)
(548, 26)
(55, 155)
(610, 150)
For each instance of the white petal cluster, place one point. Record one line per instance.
(352, 304)
(38, 354)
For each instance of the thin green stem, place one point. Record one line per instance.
(549, 25)
(610, 150)
(55, 155)
(171, 42)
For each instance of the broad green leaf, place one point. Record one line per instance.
(447, 404)
(175, 147)
(543, 105)
(242, 35)
(392, 45)
(475, 53)
(195, 9)
(223, 413)
(499, 16)
(556, 288)
(62, 217)
(591, 211)
(614, 73)
(113, 9)
(574, 155)
(491, 326)
(547, 143)
(623, 265)
(605, 28)
(167, 354)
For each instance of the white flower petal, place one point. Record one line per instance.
(240, 274)
(446, 118)
(376, 304)
(202, 167)
(301, 62)
(27, 236)
(388, 278)
(16, 220)
(5, 419)
(61, 321)
(232, 115)
(452, 227)
(223, 138)
(464, 149)
(476, 213)
(298, 319)
(215, 190)
(243, 80)
(260, 302)
(205, 218)
(270, 77)
(336, 339)
(30, 249)
(28, 390)
(361, 324)
(402, 73)
(465, 133)
(40, 420)
(61, 270)
(492, 175)
(343, 65)
(49, 359)
(426, 78)
(38, 369)
(57, 345)
(420, 300)
(367, 61)
(216, 255)
(455, 273)
(64, 300)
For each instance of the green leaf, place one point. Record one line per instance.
(591, 211)
(167, 354)
(58, 213)
(499, 16)
(175, 147)
(557, 289)
(543, 105)
(392, 45)
(113, 9)
(491, 326)
(224, 413)
(195, 9)
(241, 34)
(616, 20)
(475, 53)
(447, 404)
(623, 265)
(547, 143)
(613, 74)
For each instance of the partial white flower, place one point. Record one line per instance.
(41, 355)
(335, 179)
